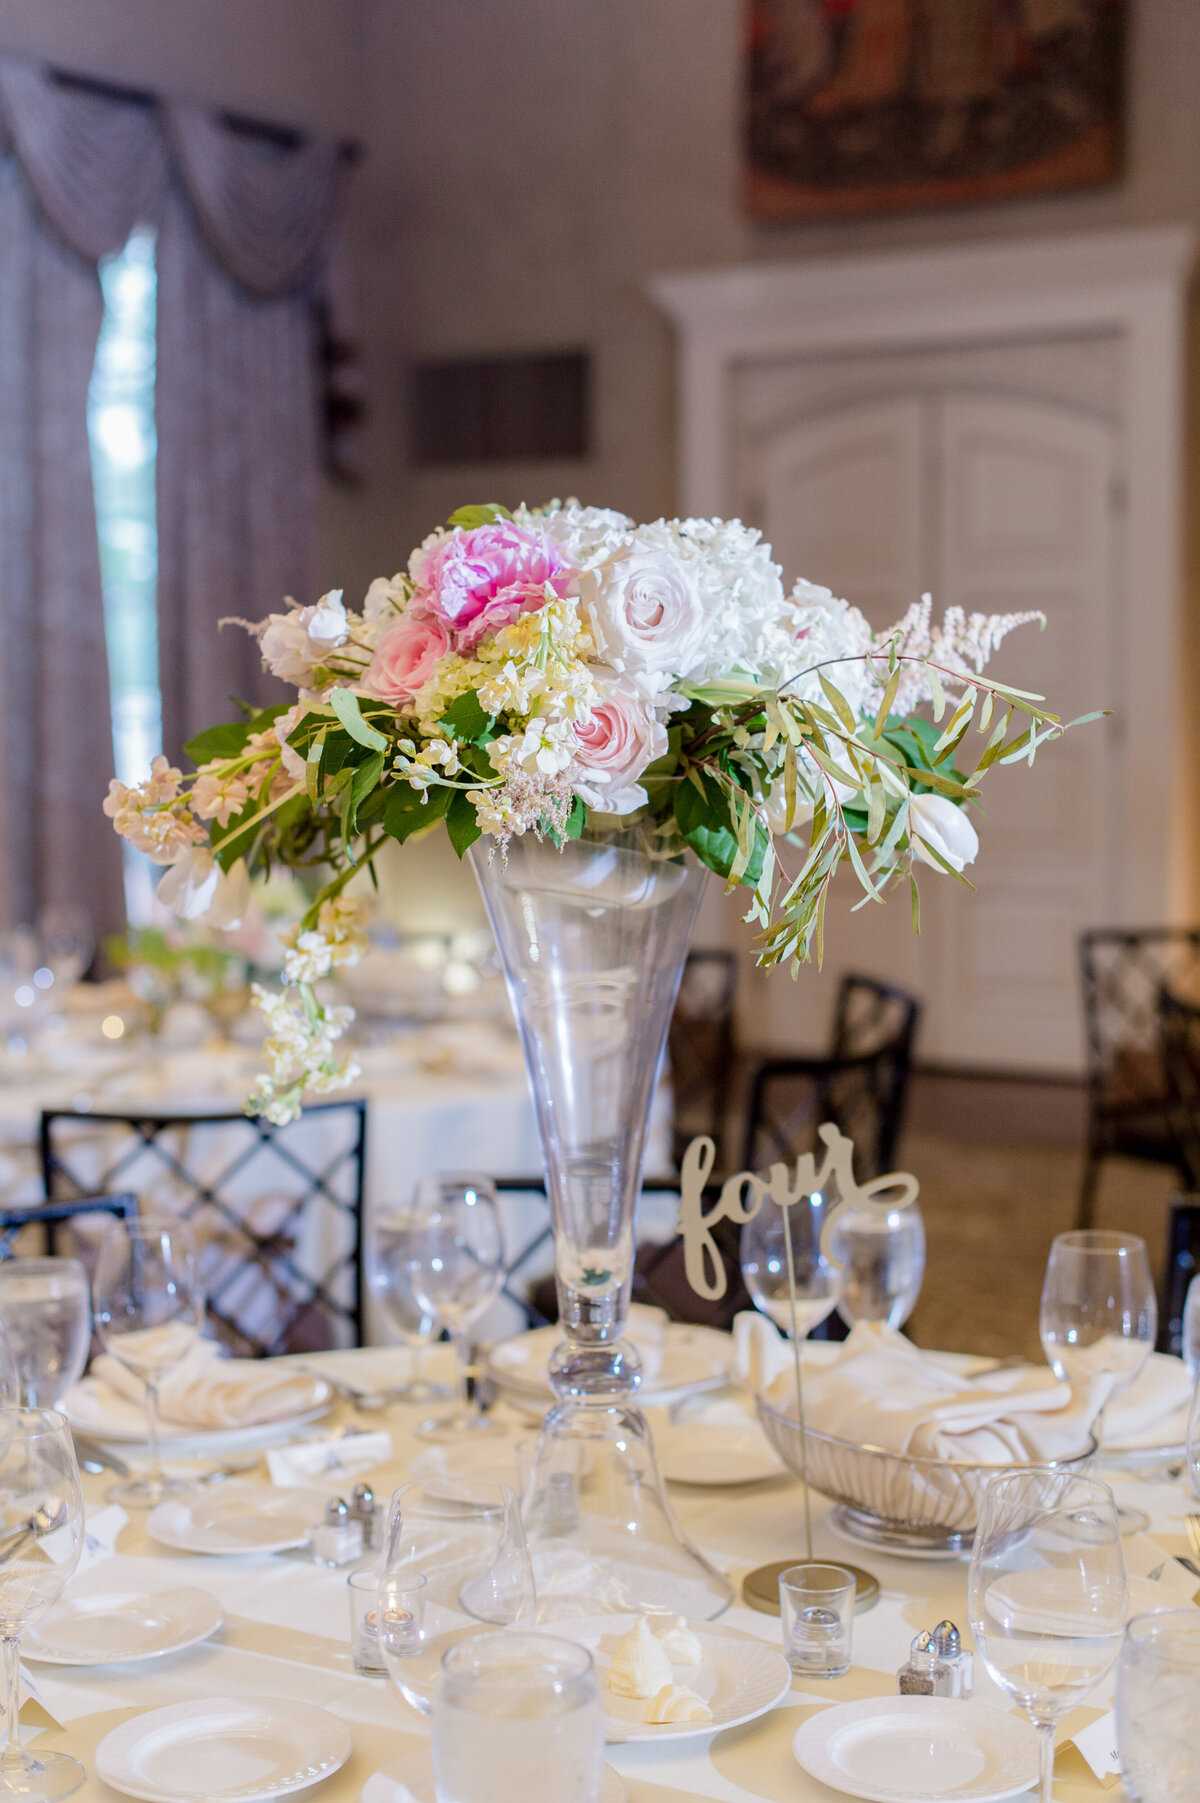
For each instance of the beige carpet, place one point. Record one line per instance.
(991, 1212)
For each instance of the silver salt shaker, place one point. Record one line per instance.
(923, 1675)
(364, 1509)
(338, 1540)
(952, 1654)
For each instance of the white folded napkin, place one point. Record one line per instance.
(880, 1390)
(207, 1391)
(295, 1467)
(760, 1352)
(1153, 1411)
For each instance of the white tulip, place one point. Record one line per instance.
(198, 889)
(936, 821)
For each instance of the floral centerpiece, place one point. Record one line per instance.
(561, 671)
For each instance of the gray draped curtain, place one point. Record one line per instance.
(246, 220)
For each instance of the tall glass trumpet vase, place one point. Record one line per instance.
(593, 938)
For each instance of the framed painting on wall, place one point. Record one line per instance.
(859, 106)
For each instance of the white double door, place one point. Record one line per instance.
(994, 503)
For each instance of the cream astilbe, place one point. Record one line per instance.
(962, 644)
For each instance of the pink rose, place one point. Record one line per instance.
(406, 657)
(614, 745)
(480, 580)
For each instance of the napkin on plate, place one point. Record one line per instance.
(1153, 1411)
(760, 1352)
(295, 1467)
(207, 1391)
(881, 1390)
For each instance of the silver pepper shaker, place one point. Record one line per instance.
(952, 1654)
(338, 1540)
(364, 1509)
(923, 1675)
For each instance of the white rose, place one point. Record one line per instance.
(293, 644)
(644, 611)
(934, 820)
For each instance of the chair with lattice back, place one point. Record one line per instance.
(1125, 972)
(860, 1084)
(276, 1211)
(52, 1217)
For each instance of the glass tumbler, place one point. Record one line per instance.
(517, 1715)
(1158, 1722)
(816, 1605)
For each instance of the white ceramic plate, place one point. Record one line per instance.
(84, 1409)
(111, 1627)
(696, 1452)
(912, 1749)
(695, 1359)
(223, 1750)
(237, 1518)
(740, 1678)
(409, 1779)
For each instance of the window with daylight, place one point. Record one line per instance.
(123, 445)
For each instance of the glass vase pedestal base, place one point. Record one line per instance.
(601, 1531)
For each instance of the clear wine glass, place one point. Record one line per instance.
(149, 1309)
(1193, 1440)
(449, 1570)
(455, 1254)
(390, 1273)
(10, 1383)
(1158, 1723)
(1099, 1316)
(1047, 1594)
(46, 1310)
(881, 1252)
(41, 1531)
(764, 1261)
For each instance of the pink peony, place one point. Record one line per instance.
(480, 580)
(615, 745)
(406, 657)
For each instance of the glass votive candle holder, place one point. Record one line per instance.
(402, 1620)
(816, 1606)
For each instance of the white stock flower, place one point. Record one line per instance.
(295, 643)
(385, 597)
(935, 821)
(198, 889)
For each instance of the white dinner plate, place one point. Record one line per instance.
(694, 1359)
(223, 1750)
(237, 1517)
(409, 1779)
(919, 1749)
(740, 1678)
(698, 1452)
(111, 1627)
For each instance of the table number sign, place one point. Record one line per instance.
(742, 1196)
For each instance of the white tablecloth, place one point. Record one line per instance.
(286, 1632)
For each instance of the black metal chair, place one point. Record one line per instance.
(861, 1084)
(51, 1216)
(701, 1050)
(276, 1211)
(1183, 1263)
(1179, 1039)
(1124, 973)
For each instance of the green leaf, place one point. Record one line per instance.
(466, 720)
(703, 813)
(916, 903)
(345, 705)
(365, 779)
(577, 818)
(406, 812)
(885, 706)
(485, 515)
(936, 691)
(838, 703)
(228, 740)
(461, 823)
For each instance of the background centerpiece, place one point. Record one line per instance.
(597, 711)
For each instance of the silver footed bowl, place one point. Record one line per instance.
(891, 1500)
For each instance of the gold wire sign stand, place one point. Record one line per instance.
(741, 1197)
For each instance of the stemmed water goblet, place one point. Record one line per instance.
(813, 1281)
(454, 1256)
(1047, 1594)
(41, 1531)
(46, 1311)
(391, 1280)
(149, 1308)
(1099, 1315)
